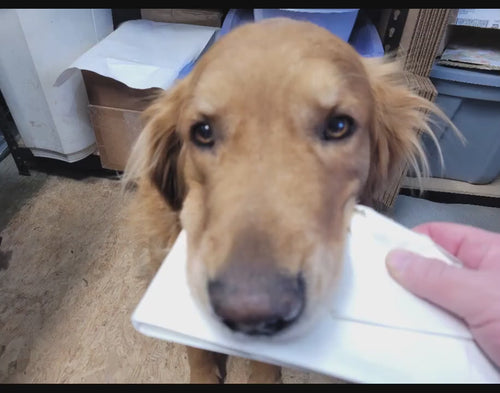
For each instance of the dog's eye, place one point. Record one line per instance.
(338, 127)
(202, 135)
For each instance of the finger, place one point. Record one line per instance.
(456, 289)
(471, 245)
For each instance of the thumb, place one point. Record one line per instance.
(454, 288)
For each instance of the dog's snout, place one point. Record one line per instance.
(257, 304)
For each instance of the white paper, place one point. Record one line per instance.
(367, 292)
(144, 54)
(376, 331)
(480, 17)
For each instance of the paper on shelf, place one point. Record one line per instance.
(480, 17)
(376, 331)
(144, 54)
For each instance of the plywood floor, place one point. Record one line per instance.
(70, 277)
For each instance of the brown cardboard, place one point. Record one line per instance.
(434, 30)
(411, 37)
(421, 85)
(115, 110)
(409, 30)
(104, 91)
(415, 55)
(419, 43)
(452, 18)
(431, 42)
(203, 17)
(116, 131)
(420, 39)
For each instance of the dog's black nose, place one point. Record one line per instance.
(257, 304)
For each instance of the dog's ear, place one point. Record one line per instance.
(156, 155)
(399, 118)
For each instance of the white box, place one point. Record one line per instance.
(36, 45)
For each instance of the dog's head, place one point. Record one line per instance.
(264, 149)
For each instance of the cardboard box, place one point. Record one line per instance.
(421, 37)
(124, 72)
(421, 85)
(116, 131)
(115, 113)
(202, 17)
(105, 91)
(452, 19)
(422, 33)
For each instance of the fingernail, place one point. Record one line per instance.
(397, 261)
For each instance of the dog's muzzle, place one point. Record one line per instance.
(257, 303)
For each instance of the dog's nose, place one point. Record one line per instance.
(257, 304)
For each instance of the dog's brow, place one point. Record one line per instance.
(324, 83)
(338, 93)
(205, 107)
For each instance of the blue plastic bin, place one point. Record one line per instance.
(471, 99)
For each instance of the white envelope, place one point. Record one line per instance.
(375, 332)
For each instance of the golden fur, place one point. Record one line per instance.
(270, 198)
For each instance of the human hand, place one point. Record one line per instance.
(472, 292)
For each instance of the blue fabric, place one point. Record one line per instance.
(364, 36)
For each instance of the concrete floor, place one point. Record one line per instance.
(70, 277)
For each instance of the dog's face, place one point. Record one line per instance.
(264, 149)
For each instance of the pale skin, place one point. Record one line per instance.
(472, 292)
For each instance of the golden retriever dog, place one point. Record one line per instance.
(260, 154)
